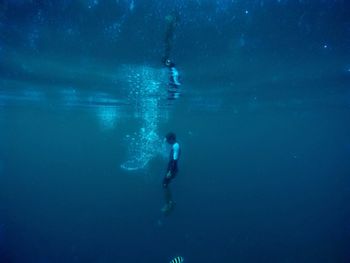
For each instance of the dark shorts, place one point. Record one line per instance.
(167, 180)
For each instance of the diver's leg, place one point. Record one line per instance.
(168, 199)
(169, 203)
(167, 196)
(166, 181)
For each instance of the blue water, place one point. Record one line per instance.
(263, 122)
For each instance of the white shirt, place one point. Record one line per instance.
(176, 151)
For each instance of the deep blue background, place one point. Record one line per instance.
(263, 122)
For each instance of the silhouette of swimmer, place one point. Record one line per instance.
(174, 83)
(171, 172)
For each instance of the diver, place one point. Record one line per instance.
(174, 83)
(171, 171)
(173, 73)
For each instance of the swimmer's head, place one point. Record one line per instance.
(168, 62)
(170, 138)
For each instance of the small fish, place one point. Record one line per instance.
(177, 260)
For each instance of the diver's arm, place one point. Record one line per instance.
(173, 161)
(171, 168)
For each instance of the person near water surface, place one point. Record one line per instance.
(171, 172)
(174, 83)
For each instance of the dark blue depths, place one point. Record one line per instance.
(263, 121)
